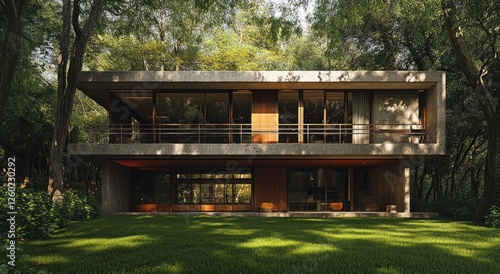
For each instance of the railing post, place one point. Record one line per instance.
(307, 134)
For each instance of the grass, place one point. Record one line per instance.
(203, 244)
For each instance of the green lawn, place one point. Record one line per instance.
(203, 244)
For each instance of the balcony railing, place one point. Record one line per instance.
(248, 133)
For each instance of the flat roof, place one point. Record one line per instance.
(98, 84)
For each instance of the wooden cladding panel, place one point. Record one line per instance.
(265, 116)
(186, 207)
(144, 208)
(270, 186)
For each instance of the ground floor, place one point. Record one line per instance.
(243, 185)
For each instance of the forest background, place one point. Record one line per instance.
(45, 45)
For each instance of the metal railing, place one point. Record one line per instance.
(248, 133)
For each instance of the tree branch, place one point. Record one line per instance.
(472, 74)
(76, 16)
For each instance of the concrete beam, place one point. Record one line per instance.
(274, 150)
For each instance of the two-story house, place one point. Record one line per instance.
(229, 141)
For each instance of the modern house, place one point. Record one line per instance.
(229, 141)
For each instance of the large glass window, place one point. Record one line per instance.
(335, 117)
(242, 116)
(315, 188)
(288, 107)
(217, 112)
(163, 191)
(211, 187)
(314, 116)
(179, 116)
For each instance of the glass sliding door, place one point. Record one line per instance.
(192, 117)
(163, 189)
(288, 108)
(336, 117)
(314, 116)
(217, 118)
(314, 189)
(242, 117)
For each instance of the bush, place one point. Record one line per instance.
(456, 207)
(37, 216)
(493, 217)
(35, 211)
(82, 208)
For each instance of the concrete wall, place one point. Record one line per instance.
(436, 112)
(392, 186)
(116, 187)
(395, 107)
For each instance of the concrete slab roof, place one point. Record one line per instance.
(98, 84)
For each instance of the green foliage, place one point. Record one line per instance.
(493, 217)
(37, 216)
(80, 207)
(457, 207)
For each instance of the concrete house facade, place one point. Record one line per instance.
(230, 141)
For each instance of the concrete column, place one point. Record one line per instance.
(392, 186)
(116, 187)
(407, 190)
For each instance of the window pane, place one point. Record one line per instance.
(337, 185)
(207, 193)
(242, 114)
(243, 193)
(183, 193)
(288, 107)
(335, 117)
(297, 188)
(220, 195)
(313, 116)
(162, 188)
(195, 188)
(217, 112)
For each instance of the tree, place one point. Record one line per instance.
(161, 35)
(473, 30)
(14, 12)
(382, 35)
(70, 64)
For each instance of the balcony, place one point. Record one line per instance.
(258, 134)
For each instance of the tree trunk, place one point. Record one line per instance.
(67, 83)
(489, 106)
(9, 54)
(491, 170)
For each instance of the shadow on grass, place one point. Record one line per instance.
(202, 244)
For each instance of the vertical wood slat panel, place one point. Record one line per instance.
(270, 186)
(265, 116)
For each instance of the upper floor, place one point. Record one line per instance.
(265, 107)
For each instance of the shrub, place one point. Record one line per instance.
(81, 207)
(493, 217)
(37, 216)
(457, 207)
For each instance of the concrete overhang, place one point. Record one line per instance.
(98, 84)
(257, 151)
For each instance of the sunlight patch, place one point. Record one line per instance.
(268, 242)
(98, 244)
